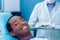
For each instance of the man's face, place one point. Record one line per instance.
(19, 26)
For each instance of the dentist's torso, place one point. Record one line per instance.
(45, 17)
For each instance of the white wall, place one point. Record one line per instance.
(11, 5)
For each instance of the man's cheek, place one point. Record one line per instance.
(15, 30)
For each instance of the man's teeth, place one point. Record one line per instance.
(24, 27)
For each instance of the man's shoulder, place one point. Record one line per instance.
(40, 4)
(58, 3)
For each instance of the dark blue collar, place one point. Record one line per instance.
(30, 38)
(53, 4)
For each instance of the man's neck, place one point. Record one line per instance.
(25, 37)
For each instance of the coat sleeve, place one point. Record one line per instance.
(33, 17)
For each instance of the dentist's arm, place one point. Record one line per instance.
(33, 17)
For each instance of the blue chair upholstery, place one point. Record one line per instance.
(4, 34)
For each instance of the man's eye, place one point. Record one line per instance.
(22, 19)
(16, 24)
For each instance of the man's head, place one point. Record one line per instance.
(50, 1)
(17, 26)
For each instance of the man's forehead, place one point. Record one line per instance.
(14, 18)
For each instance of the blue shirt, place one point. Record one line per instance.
(29, 38)
(50, 7)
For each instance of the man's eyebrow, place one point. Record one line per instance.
(14, 21)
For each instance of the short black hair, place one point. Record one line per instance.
(16, 13)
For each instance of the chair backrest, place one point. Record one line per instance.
(4, 34)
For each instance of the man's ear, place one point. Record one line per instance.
(12, 33)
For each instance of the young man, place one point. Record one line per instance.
(19, 28)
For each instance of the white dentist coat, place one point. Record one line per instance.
(42, 16)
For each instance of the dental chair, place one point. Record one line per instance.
(4, 34)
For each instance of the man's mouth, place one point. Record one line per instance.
(24, 27)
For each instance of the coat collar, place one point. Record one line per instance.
(53, 11)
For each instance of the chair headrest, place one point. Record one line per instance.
(3, 21)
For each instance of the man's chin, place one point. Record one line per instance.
(24, 34)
